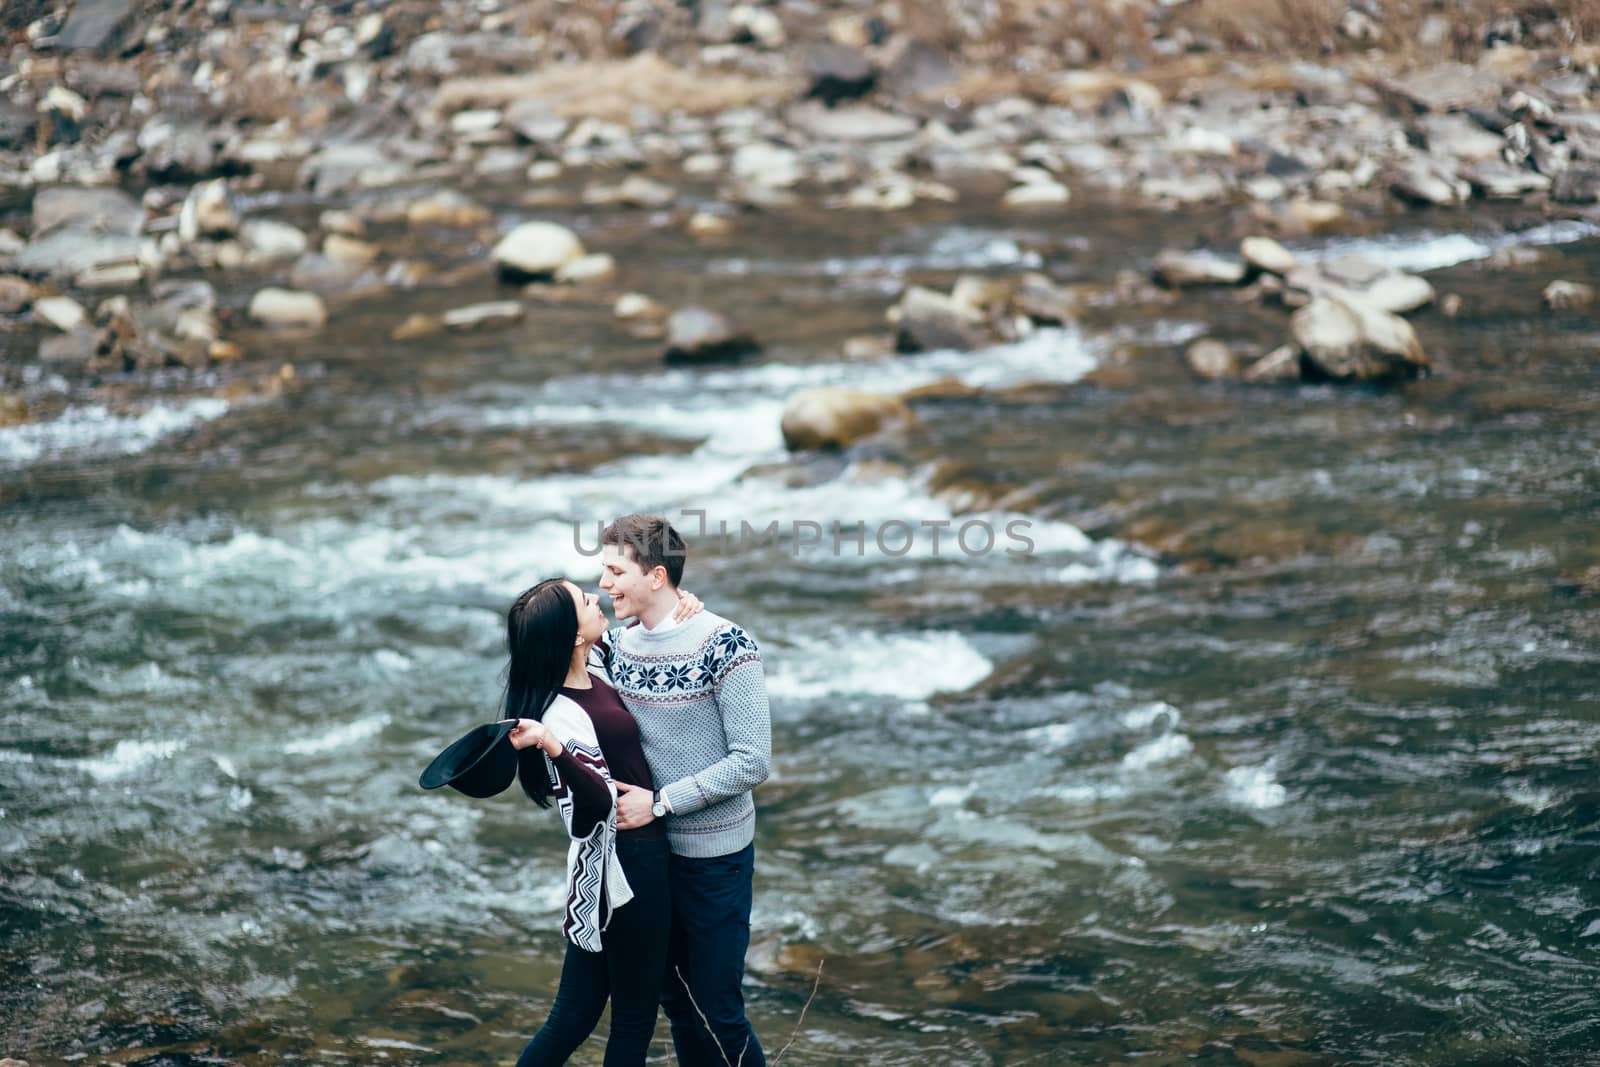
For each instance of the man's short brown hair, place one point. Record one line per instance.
(654, 542)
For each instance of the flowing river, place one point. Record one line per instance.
(1275, 747)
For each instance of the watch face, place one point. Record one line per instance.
(658, 810)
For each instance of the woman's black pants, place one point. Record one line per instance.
(629, 971)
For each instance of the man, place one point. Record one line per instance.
(698, 692)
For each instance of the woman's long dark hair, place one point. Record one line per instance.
(541, 630)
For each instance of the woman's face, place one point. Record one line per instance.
(591, 620)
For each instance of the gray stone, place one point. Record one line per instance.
(1456, 136)
(1043, 301)
(1181, 269)
(61, 312)
(71, 252)
(73, 349)
(317, 273)
(831, 417)
(1350, 341)
(284, 307)
(1578, 184)
(1422, 181)
(475, 316)
(852, 122)
(269, 241)
(170, 152)
(917, 69)
(94, 24)
(835, 72)
(1266, 256)
(1355, 278)
(208, 212)
(1281, 365)
(700, 335)
(1495, 179)
(768, 166)
(1447, 87)
(927, 320)
(1567, 296)
(1211, 359)
(535, 250)
(536, 121)
(103, 210)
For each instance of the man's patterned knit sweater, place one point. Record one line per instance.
(699, 694)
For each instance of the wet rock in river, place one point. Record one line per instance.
(634, 306)
(315, 272)
(926, 320)
(700, 335)
(1579, 183)
(1178, 270)
(94, 26)
(476, 316)
(61, 312)
(767, 165)
(536, 122)
(349, 250)
(534, 251)
(1280, 365)
(852, 122)
(1211, 359)
(16, 295)
(1266, 256)
(831, 417)
(268, 241)
(286, 307)
(169, 151)
(588, 270)
(109, 211)
(633, 191)
(1426, 181)
(1355, 278)
(915, 69)
(1496, 179)
(1347, 340)
(1446, 87)
(836, 72)
(415, 326)
(207, 212)
(1567, 296)
(446, 208)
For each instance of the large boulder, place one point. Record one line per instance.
(535, 251)
(1347, 340)
(700, 335)
(832, 417)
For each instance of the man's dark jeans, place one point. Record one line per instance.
(628, 972)
(710, 933)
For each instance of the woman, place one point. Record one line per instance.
(573, 736)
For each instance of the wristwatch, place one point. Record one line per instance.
(659, 808)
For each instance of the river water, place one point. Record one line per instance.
(1277, 748)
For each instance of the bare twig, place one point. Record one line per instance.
(707, 1023)
(801, 1021)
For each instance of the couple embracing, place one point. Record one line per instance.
(649, 737)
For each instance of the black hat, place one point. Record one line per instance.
(480, 764)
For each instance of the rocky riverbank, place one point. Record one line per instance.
(191, 187)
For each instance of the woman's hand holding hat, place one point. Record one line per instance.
(530, 732)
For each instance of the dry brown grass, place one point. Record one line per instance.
(612, 89)
(1029, 35)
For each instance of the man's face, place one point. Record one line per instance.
(624, 581)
